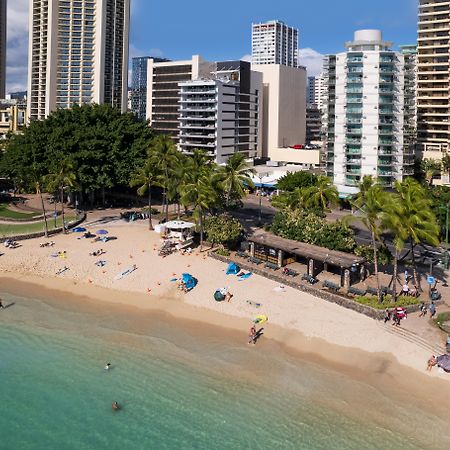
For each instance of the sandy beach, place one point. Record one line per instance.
(297, 320)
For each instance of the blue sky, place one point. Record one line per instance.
(222, 30)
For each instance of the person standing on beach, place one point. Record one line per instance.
(423, 309)
(432, 309)
(252, 335)
(2, 306)
(387, 315)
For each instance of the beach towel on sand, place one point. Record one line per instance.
(245, 276)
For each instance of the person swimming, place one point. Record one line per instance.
(115, 406)
(108, 366)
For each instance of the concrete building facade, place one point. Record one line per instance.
(284, 111)
(78, 53)
(163, 91)
(221, 114)
(3, 4)
(364, 115)
(12, 116)
(433, 104)
(274, 42)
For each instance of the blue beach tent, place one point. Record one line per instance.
(233, 269)
(189, 281)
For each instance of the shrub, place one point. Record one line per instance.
(366, 251)
(443, 321)
(223, 230)
(372, 300)
(304, 226)
(223, 252)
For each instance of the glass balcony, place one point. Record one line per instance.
(352, 140)
(354, 162)
(353, 151)
(352, 180)
(352, 171)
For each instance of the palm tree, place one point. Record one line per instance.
(63, 176)
(145, 178)
(37, 184)
(166, 155)
(199, 193)
(369, 202)
(392, 220)
(322, 195)
(235, 176)
(419, 222)
(446, 164)
(430, 167)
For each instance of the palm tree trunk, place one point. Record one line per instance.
(201, 229)
(394, 286)
(413, 261)
(375, 266)
(38, 189)
(56, 215)
(227, 199)
(150, 224)
(178, 209)
(62, 209)
(167, 199)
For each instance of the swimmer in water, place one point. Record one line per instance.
(115, 406)
(108, 366)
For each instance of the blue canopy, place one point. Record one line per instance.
(101, 232)
(189, 281)
(233, 269)
(78, 230)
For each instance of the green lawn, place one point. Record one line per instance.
(15, 230)
(10, 214)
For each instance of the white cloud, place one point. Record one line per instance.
(247, 58)
(311, 59)
(17, 46)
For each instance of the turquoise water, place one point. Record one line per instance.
(179, 390)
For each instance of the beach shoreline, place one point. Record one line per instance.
(296, 319)
(381, 370)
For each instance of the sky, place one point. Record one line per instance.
(219, 30)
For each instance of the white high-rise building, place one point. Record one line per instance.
(221, 113)
(274, 42)
(364, 114)
(316, 90)
(78, 53)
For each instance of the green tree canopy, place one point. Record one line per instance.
(105, 146)
(223, 229)
(294, 180)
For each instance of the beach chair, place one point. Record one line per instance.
(372, 291)
(355, 291)
(272, 266)
(331, 286)
(255, 260)
(242, 255)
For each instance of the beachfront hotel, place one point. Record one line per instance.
(364, 113)
(433, 107)
(78, 53)
(274, 42)
(221, 114)
(2, 48)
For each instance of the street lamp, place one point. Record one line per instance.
(260, 177)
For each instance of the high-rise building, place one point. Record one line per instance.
(78, 53)
(138, 91)
(316, 91)
(313, 124)
(274, 42)
(222, 114)
(2, 48)
(163, 92)
(364, 114)
(433, 107)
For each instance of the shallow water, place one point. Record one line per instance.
(180, 390)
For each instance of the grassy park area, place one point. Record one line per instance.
(28, 228)
(7, 213)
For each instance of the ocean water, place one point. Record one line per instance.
(180, 389)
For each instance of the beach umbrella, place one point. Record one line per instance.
(218, 296)
(79, 230)
(262, 318)
(101, 232)
(444, 362)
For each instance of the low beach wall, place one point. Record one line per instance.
(329, 296)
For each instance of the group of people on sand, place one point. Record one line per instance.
(396, 315)
(97, 253)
